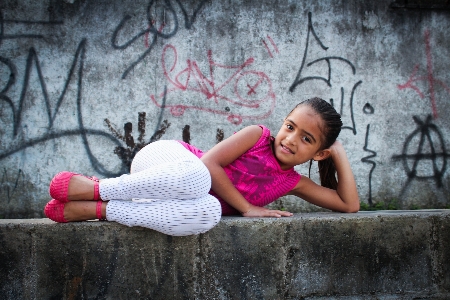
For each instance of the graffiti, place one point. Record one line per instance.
(430, 150)
(274, 46)
(13, 70)
(4, 36)
(341, 111)
(299, 79)
(76, 70)
(251, 88)
(427, 138)
(189, 20)
(10, 186)
(368, 109)
(187, 134)
(219, 135)
(166, 29)
(368, 160)
(325, 64)
(428, 78)
(126, 155)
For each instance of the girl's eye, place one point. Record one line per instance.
(307, 139)
(289, 126)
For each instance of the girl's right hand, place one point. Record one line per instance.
(256, 211)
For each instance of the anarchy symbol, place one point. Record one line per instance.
(424, 146)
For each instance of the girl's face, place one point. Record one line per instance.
(299, 138)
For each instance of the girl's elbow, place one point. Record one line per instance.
(354, 207)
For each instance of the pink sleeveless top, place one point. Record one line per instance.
(256, 174)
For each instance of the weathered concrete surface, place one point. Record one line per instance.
(373, 255)
(82, 86)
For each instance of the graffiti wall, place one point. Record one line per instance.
(85, 84)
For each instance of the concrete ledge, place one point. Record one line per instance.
(387, 255)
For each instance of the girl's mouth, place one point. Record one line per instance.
(286, 149)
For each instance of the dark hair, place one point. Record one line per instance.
(330, 131)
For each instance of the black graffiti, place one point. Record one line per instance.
(4, 36)
(299, 79)
(11, 81)
(368, 109)
(187, 134)
(32, 59)
(12, 68)
(17, 115)
(430, 148)
(157, 29)
(76, 69)
(368, 160)
(189, 21)
(341, 112)
(127, 154)
(219, 135)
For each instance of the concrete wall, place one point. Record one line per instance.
(84, 84)
(372, 255)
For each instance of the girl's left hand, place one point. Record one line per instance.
(336, 148)
(256, 211)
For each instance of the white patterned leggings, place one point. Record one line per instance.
(166, 190)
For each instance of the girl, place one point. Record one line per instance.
(178, 190)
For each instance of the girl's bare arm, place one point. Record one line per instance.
(222, 155)
(345, 198)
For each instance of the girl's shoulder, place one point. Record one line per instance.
(258, 133)
(265, 136)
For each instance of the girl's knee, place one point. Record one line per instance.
(197, 173)
(214, 210)
(208, 215)
(205, 225)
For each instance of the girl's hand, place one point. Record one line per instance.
(256, 211)
(336, 148)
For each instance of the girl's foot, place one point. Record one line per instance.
(67, 186)
(85, 210)
(63, 212)
(81, 188)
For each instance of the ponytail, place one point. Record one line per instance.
(327, 172)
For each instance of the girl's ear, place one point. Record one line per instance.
(322, 154)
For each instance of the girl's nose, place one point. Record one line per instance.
(290, 139)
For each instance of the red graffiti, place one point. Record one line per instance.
(273, 45)
(146, 44)
(250, 88)
(429, 78)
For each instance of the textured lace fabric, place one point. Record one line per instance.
(167, 190)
